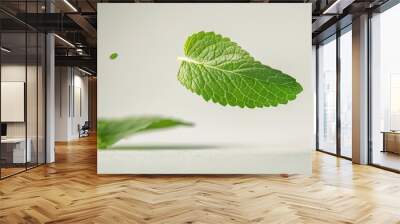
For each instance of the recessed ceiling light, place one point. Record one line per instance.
(5, 50)
(337, 7)
(64, 40)
(70, 5)
(84, 71)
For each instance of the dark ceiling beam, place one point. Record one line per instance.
(53, 22)
(337, 7)
(332, 29)
(200, 1)
(320, 22)
(328, 13)
(89, 70)
(49, 22)
(381, 6)
(74, 13)
(64, 7)
(15, 18)
(91, 5)
(86, 51)
(10, 25)
(81, 61)
(84, 24)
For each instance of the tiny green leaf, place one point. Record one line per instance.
(110, 131)
(219, 70)
(113, 56)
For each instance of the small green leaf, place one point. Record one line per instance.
(110, 131)
(219, 70)
(113, 56)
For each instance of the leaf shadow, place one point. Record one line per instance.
(165, 146)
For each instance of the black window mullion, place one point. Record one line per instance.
(369, 90)
(338, 81)
(37, 89)
(317, 95)
(0, 96)
(26, 86)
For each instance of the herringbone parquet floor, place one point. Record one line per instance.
(70, 191)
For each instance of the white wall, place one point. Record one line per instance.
(69, 82)
(80, 110)
(142, 80)
(62, 81)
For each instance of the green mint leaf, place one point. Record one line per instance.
(219, 70)
(113, 56)
(110, 131)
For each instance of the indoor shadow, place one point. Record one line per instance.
(165, 146)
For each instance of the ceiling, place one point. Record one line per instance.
(75, 21)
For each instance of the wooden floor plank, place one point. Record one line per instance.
(70, 191)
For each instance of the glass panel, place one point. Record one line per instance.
(385, 83)
(41, 99)
(13, 89)
(314, 75)
(346, 93)
(22, 90)
(327, 96)
(31, 100)
(31, 88)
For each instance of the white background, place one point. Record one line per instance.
(143, 79)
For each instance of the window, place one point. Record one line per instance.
(22, 77)
(346, 93)
(327, 96)
(385, 89)
(334, 138)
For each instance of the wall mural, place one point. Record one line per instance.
(204, 89)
